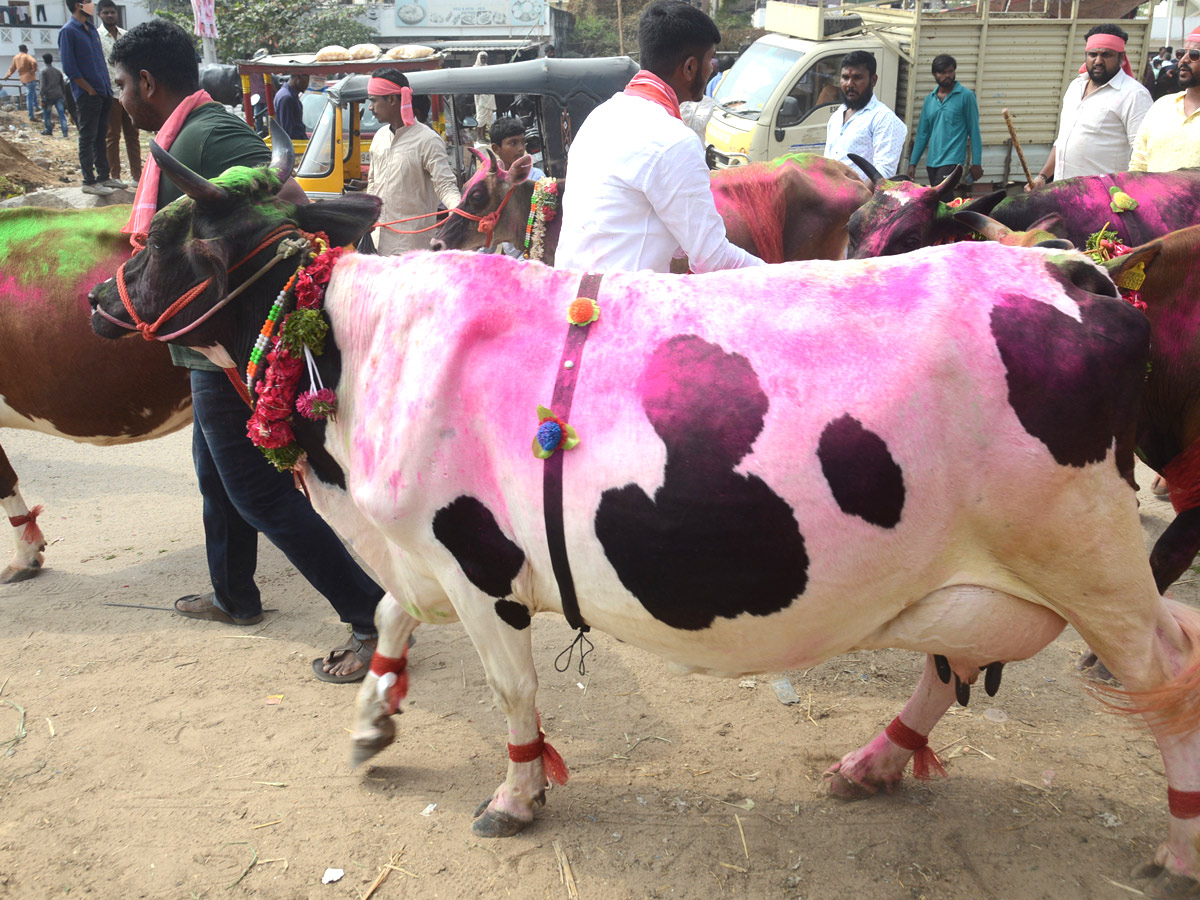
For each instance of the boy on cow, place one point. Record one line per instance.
(159, 83)
(634, 204)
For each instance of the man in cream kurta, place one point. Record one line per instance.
(410, 172)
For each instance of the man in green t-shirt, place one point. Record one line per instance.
(243, 494)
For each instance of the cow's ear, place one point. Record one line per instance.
(345, 219)
(520, 169)
(1145, 255)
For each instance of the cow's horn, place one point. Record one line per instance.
(199, 189)
(869, 170)
(946, 188)
(985, 225)
(283, 153)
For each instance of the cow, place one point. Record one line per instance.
(56, 376)
(859, 458)
(794, 207)
(902, 215)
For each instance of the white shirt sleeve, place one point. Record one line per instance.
(678, 186)
(887, 139)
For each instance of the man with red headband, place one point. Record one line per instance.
(1170, 134)
(633, 204)
(410, 170)
(1101, 112)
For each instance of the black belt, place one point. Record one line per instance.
(552, 476)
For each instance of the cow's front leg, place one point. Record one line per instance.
(27, 561)
(881, 763)
(386, 683)
(500, 631)
(1175, 549)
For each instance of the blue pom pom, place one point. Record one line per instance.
(549, 435)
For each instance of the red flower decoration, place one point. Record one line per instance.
(270, 435)
(308, 294)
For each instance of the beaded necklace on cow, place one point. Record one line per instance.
(149, 331)
(301, 335)
(542, 208)
(1104, 245)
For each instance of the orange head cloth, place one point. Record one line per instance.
(382, 87)
(1108, 42)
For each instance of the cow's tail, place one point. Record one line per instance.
(1173, 707)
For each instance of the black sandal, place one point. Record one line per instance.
(361, 650)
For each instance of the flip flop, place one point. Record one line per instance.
(204, 606)
(361, 650)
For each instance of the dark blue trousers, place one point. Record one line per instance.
(244, 495)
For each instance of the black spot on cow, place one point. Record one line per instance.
(513, 613)
(1074, 385)
(488, 558)
(711, 542)
(865, 480)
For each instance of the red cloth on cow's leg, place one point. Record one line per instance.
(552, 763)
(1183, 478)
(397, 688)
(925, 760)
(1183, 804)
(32, 533)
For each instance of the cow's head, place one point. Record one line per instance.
(482, 196)
(902, 216)
(193, 244)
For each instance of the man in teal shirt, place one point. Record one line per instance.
(950, 115)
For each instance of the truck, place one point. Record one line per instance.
(781, 92)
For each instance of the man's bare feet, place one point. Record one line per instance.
(347, 663)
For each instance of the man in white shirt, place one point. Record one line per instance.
(1101, 112)
(862, 124)
(410, 170)
(633, 205)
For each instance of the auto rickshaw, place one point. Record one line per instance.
(306, 64)
(556, 94)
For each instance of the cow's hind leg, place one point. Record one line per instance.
(1160, 667)
(880, 764)
(968, 627)
(28, 559)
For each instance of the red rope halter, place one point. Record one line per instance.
(149, 331)
(487, 223)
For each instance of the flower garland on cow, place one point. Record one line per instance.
(1106, 244)
(543, 206)
(301, 336)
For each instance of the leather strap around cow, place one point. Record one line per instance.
(552, 476)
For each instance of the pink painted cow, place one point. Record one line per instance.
(858, 456)
(794, 207)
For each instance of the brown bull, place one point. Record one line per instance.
(56, 376)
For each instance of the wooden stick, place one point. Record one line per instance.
(1012, 131)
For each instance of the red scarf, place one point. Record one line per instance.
(650, 87)
(145, 201)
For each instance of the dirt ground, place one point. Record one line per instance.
(164, 757)
(33, 160)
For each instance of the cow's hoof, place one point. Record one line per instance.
(846, 788)
(364, 746)
(1171, 886)
(491, 823)
(1090, 667)
(14, 573)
